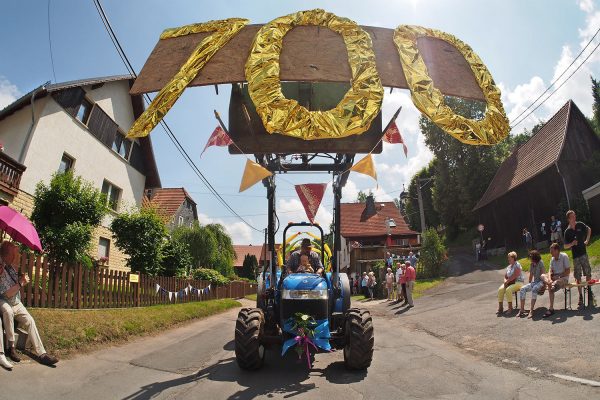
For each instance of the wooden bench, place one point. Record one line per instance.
(587, 289)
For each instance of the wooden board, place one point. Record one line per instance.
(310, 54)
(252, 138)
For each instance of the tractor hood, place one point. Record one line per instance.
(303, 281)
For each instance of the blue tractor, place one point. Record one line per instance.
(324, 297)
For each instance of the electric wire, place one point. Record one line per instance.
(163, 123)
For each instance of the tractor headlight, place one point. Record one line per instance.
(304, 294)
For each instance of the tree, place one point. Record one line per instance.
(140, 234)
(201, 242)
(65, 213)
(224, 257)
(249, 267)
(362, 196)
(595, 121)
(175, 259)
(462, 172)
(433, 253)
(412, 212)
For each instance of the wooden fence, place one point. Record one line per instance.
(78, 287)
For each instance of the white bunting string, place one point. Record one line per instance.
(189, 290)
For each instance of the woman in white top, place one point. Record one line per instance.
(513, 281)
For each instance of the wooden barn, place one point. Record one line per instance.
(531, 183)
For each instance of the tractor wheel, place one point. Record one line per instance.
(249, 328)
(358, 349)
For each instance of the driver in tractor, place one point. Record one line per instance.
(295, 264)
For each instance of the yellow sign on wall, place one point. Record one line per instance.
(134, 278)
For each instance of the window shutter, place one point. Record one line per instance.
(137, 158)
(69, 99)
(102, 126)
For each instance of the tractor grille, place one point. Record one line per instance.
(315, 308)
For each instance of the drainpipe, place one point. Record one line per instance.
(564, 185)
(30, 131)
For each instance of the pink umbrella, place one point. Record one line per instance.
(19, 228)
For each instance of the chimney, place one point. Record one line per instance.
(370, 205)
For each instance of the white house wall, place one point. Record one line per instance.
(115, 100)
(56, 132)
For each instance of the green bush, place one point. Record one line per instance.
(211, 275)
(65, 213)
(140, 234)
(175, 259)
(250, 267)
(432, 254)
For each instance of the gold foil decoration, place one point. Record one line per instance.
(223, 30)
(355, 112)
(429, 100)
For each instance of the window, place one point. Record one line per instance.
(66, 163)
(180, 220)
(122, 146)
(113, 194)
(103, 247)
(85, 109)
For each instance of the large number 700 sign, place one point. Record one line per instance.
(359, 106)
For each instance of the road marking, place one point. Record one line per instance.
(578, 380)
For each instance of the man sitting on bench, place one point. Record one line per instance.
(559, 274)
(10, 288)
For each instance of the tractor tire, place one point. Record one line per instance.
(249, 329)
(358, 349)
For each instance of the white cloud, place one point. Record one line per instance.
(577, 88)
(8, 92)
(586, 5)
(240, 232)
(292, 210)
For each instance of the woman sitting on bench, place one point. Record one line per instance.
(536, 283)
(513, 281)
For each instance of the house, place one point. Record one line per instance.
(79, 126)
(175, 205)
(537, 177)
(371, 229)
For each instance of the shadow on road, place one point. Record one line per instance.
(279, 375)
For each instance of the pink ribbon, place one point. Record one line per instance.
(304, 341)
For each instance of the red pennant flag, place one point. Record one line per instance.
(217, 138)
(310, 196)
(393, 136)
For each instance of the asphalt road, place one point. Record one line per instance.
(415, 357)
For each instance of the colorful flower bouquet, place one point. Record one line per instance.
(307, 333)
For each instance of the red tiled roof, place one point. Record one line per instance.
(241, 251)
(532, 158)
(355, 222)
(168, 200)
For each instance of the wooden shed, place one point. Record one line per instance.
(531, 183)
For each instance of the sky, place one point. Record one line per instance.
(526, 45)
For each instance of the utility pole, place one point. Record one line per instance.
(421, 210)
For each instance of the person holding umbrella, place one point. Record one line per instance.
(10, 288)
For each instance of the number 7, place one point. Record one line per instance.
(223, 30)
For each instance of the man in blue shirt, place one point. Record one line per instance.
(412, 259)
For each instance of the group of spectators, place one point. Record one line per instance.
(13, 310)
(556, 233)
(398, 285)
(576, 238)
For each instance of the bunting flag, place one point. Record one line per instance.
(365, 166)
(253, 173)
(170, 296)
(157, 287)
(310, 195)
(393, 136)
(218, 138)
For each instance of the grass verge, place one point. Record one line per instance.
(65, 332)
(251, 296)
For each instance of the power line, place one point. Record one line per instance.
(50, 42)
(556, 80)
(163, 123)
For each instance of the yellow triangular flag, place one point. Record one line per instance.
(365, 166)
(252, 174)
